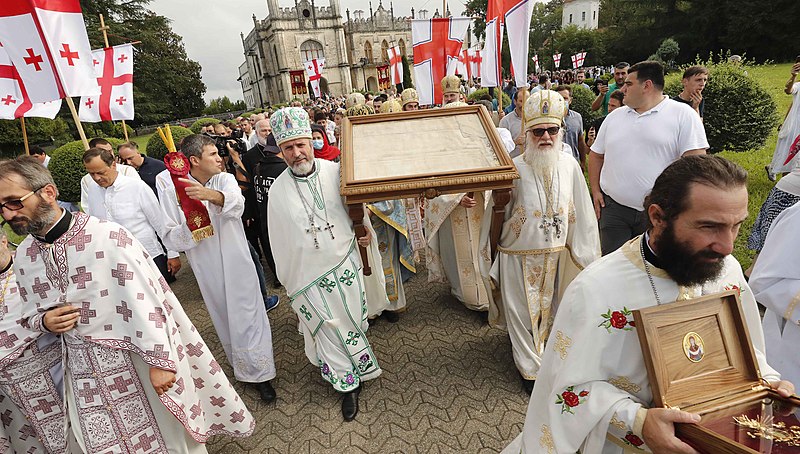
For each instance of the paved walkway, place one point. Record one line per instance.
(448, 385)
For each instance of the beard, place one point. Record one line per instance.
(303, 168)
(684, 266)
(542, 158)
(43, 217)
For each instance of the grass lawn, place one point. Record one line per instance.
(142, 141)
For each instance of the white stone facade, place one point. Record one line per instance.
(582, 13)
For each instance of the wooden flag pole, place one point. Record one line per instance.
(77, 121)
(24, 135)
(104, 28)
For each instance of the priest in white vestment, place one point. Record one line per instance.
(776, 284)
(592, 392)
(31, 376)
(549, 235)
(138, 376)
(222, 262)
(317, 260)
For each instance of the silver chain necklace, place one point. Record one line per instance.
(550, 217)
(647, 270)
(311, 213)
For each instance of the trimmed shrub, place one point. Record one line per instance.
(155, 146)
(582, 103)
(739, 112)
(40, 131)
(479, 93)
(106, 129)
(195, 127)
(66, 166)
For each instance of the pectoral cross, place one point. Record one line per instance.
(555, 222)
(329, 228)
(313, 231)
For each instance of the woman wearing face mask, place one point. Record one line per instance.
(323, 149)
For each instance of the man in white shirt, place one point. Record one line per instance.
(130, 203)
(513, 122)
(89, 189)
(634, 145)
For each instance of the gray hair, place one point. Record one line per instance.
(192, 145)
(33, 174)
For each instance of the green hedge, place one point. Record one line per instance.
(155, 146)
(478, 94)
(195, 127)
(66, 166)
(739, 113)
(106, 129)
(582, 99)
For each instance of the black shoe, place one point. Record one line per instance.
(266, 391)
(770, 175)
(528, 385)
(391, 316)
(350, 404)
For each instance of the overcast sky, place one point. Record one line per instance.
(210, 31)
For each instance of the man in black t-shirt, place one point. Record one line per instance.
(694, 81)
(614, 102)
(263, 164)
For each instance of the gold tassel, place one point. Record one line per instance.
(203, 233)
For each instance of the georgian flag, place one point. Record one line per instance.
(46, 40)
(114, 71)
(557, 60)
(475, 60)
(314, 71)
(437, 45)
(577, 60)
(395, 65)
(14, 102)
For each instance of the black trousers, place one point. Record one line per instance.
(161, 263)
(618, 224)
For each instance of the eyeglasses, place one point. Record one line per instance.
(539, 132)
(16, 205)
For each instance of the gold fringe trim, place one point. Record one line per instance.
(203, 233)
(789, 310)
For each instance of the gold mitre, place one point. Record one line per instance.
(408, 95)
(545, 106)
(451, 84)
(353, 99)
(391, 106)
(455, 104)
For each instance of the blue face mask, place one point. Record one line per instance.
(317, 144)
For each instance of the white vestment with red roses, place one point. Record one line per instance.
(453, 235)
(31, 407)
(130, 321)
(535, 265)
(324, 279)
(776, 284)
(226, 275)
(593, 379)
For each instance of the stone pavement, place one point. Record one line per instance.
(448, 384)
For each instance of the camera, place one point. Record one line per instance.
(221, 141)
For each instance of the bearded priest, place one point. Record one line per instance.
(317, 260)
(549, 235)
(592, 393)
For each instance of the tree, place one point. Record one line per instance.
(668, 51)
(407, 82)
(222, 105)
(167, 84)
(573, 39)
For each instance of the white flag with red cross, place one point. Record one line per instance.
(463, 66)
(475, 60)
(557, 60)
(437, 46)
(14, 101)
(114, 70)
(577, 59)
(46, 40)
(395, 65)
(314, 71)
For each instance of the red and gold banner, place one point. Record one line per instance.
(298, 81)
(196, 214)
(384, 77)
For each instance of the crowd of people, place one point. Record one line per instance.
(97, 342)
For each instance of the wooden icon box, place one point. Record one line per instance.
(716, 376)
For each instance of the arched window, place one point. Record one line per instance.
(368, 51)
(310, 50)
(402, 45)
(275, 55)
(384, 51)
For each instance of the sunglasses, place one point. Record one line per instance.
(16, 205)
(539, 132)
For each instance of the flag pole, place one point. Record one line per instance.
(104, 28)
(24, 135)
(77, 121)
